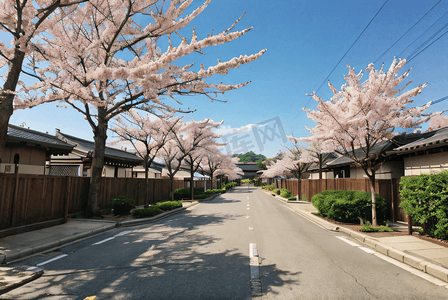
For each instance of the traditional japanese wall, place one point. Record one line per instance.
(426, 164)
(388, 170)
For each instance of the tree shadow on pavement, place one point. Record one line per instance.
(166, 260)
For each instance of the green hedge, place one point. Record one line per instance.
(122, 205)
(184, 193)
(425, 199)
(168, 205)
(269, 187)
(349, 206)
(146, 212)
(229, 185)
(155, 209)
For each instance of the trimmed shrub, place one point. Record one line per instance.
(367, 228)
(168, 205)
(146, 212)
(349, 206)
(122, 205)
(425, 199)
(270, 187)
(257, 182)
(229, 185)
(184, 193)
(285, 193)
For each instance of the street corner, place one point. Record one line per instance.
(11, 278)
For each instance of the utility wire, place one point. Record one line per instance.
(399, 55)
(326, 79)
(439, 100)
(407, 31)
(429, 39)
(411, 58)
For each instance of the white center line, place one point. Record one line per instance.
(50, 260)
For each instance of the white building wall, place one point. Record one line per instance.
(23, 169)
(426, 164)
(325, 175)
(388, 170)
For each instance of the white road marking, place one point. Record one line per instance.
(255, 281)
(343, 238)
(397, 263)
(251, 228)
(50, 260)
(247, 217)
(370, 251)
(103, 241)
(123, 233)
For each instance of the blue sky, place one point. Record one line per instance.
(304, 41)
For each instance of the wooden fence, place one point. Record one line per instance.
(386, 188)
(43, 198)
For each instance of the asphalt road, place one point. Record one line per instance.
(203, 253)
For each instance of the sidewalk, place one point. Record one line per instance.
(25, 244)
(422, 255)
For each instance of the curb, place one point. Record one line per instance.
(427, 267)
(4, 258)
(157, 217)
(54, 244)
(15, 277)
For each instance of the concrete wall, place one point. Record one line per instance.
(426, 164)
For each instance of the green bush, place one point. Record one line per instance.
(304, 198)
(285, 193)
(257, 182)
(184, 193)
(292, 198)
(425, 199)
(146, 212)
(270, 187)
(349, 206)
(246, 181)
(367, 228)
(229, 185)
(168, 205)
(122, 205)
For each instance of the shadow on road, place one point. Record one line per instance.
(173, 259)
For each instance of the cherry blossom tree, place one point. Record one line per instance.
(104, 59)
(292, 161)
(195, 138)
(172, 155)
(23, 21)
(437, 121)
(215, 163)
(146, 135)
(364, 113)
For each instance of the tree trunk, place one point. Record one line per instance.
(172, 188)
(372, 190)
(191, 181)
(320, 166)
(146, 166)
(100, 136)
(7, 99)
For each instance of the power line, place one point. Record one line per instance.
(422, 34)
(344, 56)
(407, 31)
(439, 100)
(409, 59)
(429, 39)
